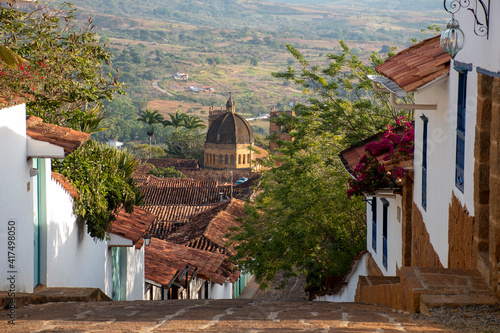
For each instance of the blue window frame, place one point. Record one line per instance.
(374, 224)
(424, 162)
(385, 213)
(460, 148)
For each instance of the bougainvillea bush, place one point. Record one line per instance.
(397, 145)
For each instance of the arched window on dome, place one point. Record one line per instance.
(231, 159)
(226, 159)
(221, 159)
(239, 159)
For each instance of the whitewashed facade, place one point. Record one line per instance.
(39, 232)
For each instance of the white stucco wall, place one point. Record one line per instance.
(441, 156)
(16, 199)
(394, 243)
(74, 258)
(347, 293)
(441, 141)
(77, 260)
(135, 274)
(224, 291)
(481, 51)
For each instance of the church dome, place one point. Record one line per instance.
(230, 128)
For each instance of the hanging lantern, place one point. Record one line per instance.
(452, 39)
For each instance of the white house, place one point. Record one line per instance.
(45, 243)
(453, 226)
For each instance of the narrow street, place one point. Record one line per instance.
(250, 315)
(272, 310)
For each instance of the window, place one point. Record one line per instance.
(460, 148)
(244, 158)
(221, 159)
(226, 159)
(424, 162)
(384, 232)
(239, 159)
(232, 159)
(374, 224)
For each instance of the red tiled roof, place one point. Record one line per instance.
(65, 183)
(60, 136)
(7, 102)
(350, 157)
(193, 196)
(177, 182)
(163, 259)
(208, 230)
(176, 212)
(417, 65)
(133, 225)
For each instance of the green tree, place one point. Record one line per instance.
(302, 221)
(169, 172)
(65, 75)
(151, 117)
(193, 123)
(103, 177)
(176, 120)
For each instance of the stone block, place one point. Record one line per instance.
(483, 118)
(484, 85)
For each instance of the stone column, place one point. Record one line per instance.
(494, 220)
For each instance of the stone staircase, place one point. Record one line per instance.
(419, 289)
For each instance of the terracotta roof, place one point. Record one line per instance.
(177, 182)
(193, 196)
(208, 230)
(65, 183)
(132, 226)
(7, 102)
(162, 229)
(350, 157)
(163, 259)
(176, 212)
(417, 65)
(63, 137)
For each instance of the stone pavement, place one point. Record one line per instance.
(219, 316)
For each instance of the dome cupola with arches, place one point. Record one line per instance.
(228, 138)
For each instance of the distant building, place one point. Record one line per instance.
(181, 76)
(228, 139)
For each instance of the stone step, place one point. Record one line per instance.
(442, 285)
(430, 301)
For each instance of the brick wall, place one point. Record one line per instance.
(423, 253)
(462, 252)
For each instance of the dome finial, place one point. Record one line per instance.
(230, 105)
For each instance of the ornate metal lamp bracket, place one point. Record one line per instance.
(479, 8)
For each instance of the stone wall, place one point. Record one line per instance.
(423, 253)
(462, 252)
(487, 179)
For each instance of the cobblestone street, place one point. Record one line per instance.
(213, 316)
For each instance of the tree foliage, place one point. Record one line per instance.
(151, 118)
(103, 177)
(64, 76)
(169, 172)
(302, 220)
